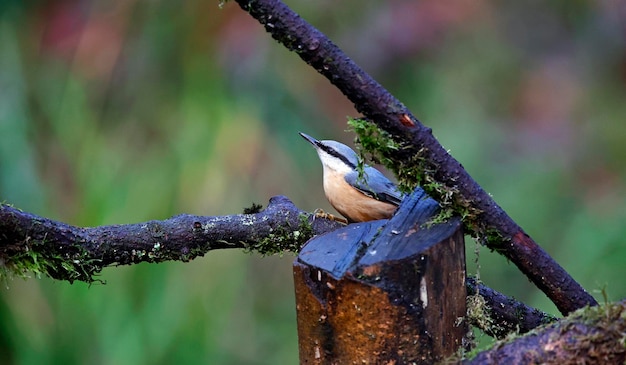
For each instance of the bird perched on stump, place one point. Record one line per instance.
(370, 197)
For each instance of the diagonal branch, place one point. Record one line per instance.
(61, 251)
(420, 157)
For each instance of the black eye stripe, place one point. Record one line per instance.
(334, 153)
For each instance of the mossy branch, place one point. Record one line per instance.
(33, 244)
(499, 315)
(409, 149)
(29, 243)
(591, 335)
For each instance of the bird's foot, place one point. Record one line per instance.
(319, 213)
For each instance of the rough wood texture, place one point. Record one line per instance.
(32, 243)
(375, 292)
(499, 315)
(595, 335)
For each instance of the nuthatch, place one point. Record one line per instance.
(358, 199)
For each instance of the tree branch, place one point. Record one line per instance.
(30, 243)
(589, 336)
(497, 314)
(61, 251)
(420, 158)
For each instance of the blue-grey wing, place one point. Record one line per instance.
(376, 185)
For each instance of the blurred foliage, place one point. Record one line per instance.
(125, 111)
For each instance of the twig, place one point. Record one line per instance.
(483, 216)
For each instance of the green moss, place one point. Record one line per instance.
(479, 313)
(282, 239)
(35, 257)
(441, 217)
(253, 209)
(372, 143)
(376, 145)
(607, 319)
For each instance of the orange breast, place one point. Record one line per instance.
(353, 204)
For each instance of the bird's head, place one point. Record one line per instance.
(335, 156)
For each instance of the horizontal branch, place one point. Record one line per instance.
(29, 243)
(420, 158)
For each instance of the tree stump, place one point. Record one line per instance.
(383, 292)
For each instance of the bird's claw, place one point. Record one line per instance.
(319, 213)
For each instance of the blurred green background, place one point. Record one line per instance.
(124, 111)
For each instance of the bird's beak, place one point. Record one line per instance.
(311, 140)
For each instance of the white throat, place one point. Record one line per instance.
(333, 164)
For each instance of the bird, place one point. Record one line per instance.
(359, 199)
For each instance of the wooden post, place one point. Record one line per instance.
(383, 292)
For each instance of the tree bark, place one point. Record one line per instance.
(383, 291)
(590, 336)
(499, 315)
(64, 252)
